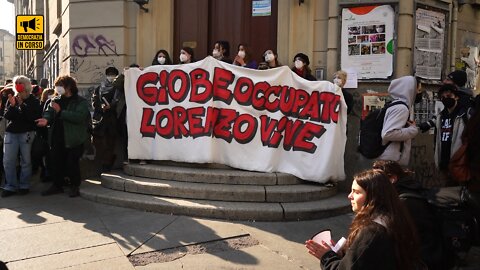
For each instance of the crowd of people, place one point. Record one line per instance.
(394, 214)
(47, 128)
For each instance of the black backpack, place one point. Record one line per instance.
(459, 228)
(370, 135)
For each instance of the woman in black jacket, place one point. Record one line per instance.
(423, 215)
(381, 236)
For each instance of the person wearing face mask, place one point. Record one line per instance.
(186, 55)
(21, 112)
(162, 58)
(301, 68)
(339, 79)
(271, 59)
(67, 117)
(243, 57)
(104, 120)
(449, 127)
(221, 51)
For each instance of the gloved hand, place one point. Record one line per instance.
(424, 127)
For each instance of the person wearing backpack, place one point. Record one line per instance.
(423, 214)
(398, 130)
(449, 127)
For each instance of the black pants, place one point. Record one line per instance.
(66, 164)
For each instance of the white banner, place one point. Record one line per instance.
(257, 120)
(367, 41)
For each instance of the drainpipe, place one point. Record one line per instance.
(453, 36)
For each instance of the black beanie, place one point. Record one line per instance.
(304, 58)
(459, 77)
(111, 71)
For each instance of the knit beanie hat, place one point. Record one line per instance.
(304, 58)
(459, 77)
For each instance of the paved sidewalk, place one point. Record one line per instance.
(58, 232)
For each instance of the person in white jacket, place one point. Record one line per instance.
(398, 129)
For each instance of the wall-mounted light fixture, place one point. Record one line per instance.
(141, 4)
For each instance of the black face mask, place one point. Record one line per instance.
(418, 97)
(448, 102)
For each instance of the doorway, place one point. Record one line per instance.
(200, 23)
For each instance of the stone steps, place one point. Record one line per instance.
(210, 175)
(264, 211)
(251, 192)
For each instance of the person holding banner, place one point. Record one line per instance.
(221, 51)
(301, 67)
(244, 58)
(271, 58)
(186, 55)
(340, 78)
(162, 58)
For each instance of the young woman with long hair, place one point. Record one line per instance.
(381, 236)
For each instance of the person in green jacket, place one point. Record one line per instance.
(67, 117)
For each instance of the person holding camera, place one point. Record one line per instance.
(21, 112)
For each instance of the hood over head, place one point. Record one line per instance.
(404, 88)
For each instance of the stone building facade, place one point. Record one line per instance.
(83, 37)
(7, 56)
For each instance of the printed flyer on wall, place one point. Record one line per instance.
(367, 41)
(429, 37)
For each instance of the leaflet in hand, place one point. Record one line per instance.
(326, 237)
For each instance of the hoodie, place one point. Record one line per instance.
(395, 129)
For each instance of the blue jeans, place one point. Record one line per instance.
(13, 143)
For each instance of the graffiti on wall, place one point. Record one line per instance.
(424, 166)
(89, 70)
(84, 44)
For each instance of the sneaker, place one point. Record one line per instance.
(126, 162)
(23, 191)
(52, 190)
(74, 192)
(7, 193)
(142, 162)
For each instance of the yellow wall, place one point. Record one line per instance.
(154, 30)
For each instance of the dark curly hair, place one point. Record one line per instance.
(67, 82)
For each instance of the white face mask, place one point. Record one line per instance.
(161, 60)
(60, 90)
(269, 57)
(110, 78)
(338, 81)
(215, 53)
(241, 54)
(298, 64)
(183, 58)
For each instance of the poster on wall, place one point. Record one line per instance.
(261, 8)
(429, 39)
(373, 101)
(367, 41)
